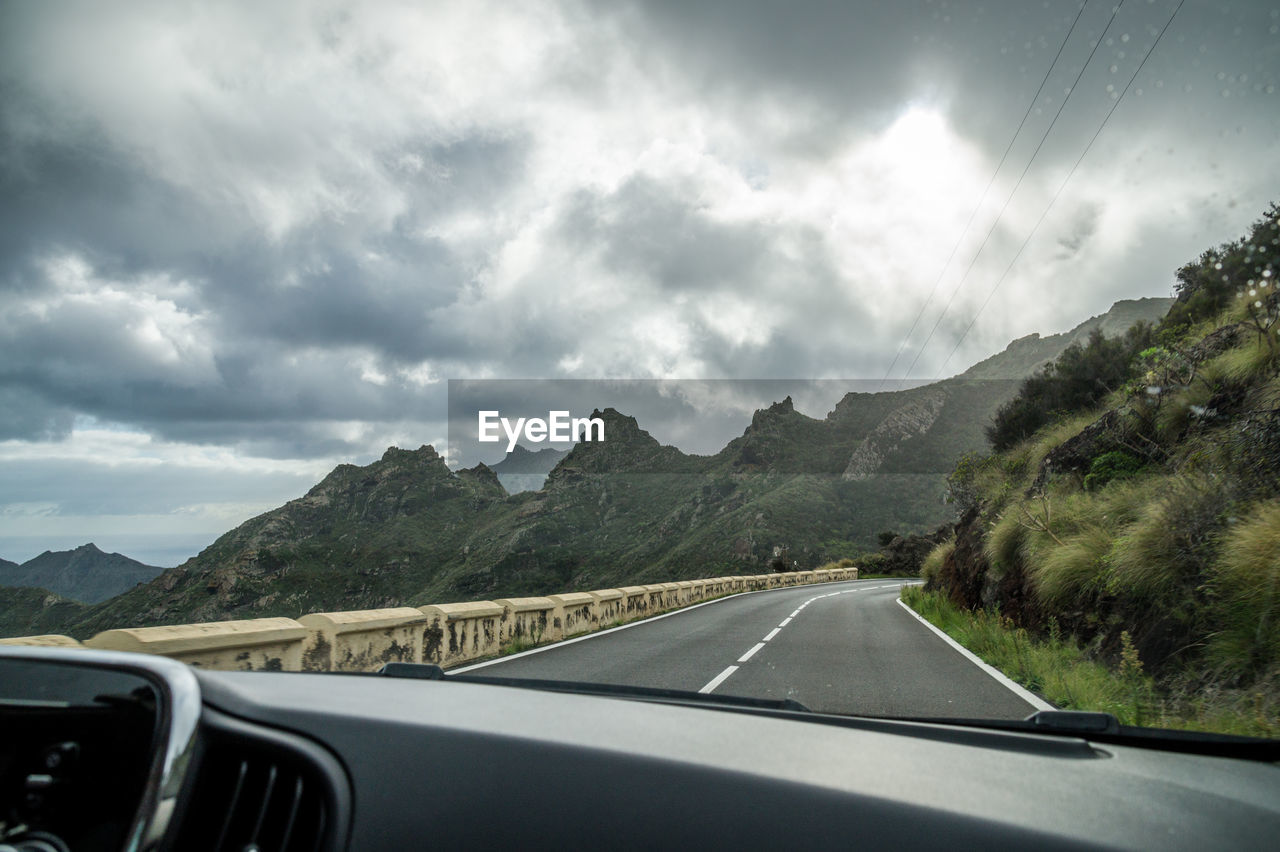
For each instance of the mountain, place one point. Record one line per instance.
(5, 565)
(1027, 354)
(84, 574)
(521, 460)
(526, 470)
(792, 490)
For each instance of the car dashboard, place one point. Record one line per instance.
(115, 751)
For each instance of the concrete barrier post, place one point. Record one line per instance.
(525, 619)
(45, 640)
(657, 593)
(610, 606)
(363, 640)
(457, 632)
(255, 644)
(635, 602)
(575, 612)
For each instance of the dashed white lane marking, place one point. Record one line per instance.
(774, 632)
(718, 679)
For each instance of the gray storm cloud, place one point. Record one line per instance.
(277, 230)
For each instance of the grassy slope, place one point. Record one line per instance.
(1152, 522)
(1069, 676)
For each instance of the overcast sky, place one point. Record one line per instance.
(241, 243)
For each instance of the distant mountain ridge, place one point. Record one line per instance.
(83, 574)
(526, 470)
(1027, 354)
(521, 460)
(791, 489)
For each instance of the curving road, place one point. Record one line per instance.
(837, 647)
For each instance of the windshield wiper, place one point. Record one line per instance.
(421, 671)
(1105, 728)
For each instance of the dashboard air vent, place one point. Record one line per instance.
(258, 794)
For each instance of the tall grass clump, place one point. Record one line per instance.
(1003, 542)
(1163, 555)
(1074, 574)
(932, 565)
(1245, 580)
(1242, 365)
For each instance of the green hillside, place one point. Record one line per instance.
(1134, 500)
(26, 611)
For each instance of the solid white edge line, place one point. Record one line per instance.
(772, 633)
(596, 633)
(751, 653)
(720, 678)
(1027, 696)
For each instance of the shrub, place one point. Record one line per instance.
(1081, 377)
(872, 563)
(1211, 283)
(1110, 466)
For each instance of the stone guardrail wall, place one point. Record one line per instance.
(448, 634)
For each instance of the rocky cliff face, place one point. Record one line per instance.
(912, 420)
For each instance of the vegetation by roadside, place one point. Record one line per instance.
(1062, 670)
(1133, 504)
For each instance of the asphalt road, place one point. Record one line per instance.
(837, 647)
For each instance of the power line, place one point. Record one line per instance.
(1031, 106)
(1054, 200)
(1115, 11)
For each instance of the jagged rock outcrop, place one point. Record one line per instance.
(910, 421)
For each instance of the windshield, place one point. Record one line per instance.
(912, 359)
